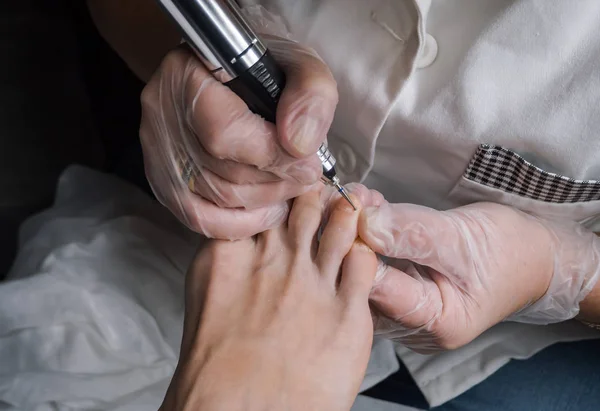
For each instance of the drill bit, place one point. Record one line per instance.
(344, 194)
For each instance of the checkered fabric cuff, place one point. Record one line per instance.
(500, 168)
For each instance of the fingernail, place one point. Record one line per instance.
(306, 130)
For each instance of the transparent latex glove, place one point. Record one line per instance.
(451, 275)
(241, 168)
(279, 321)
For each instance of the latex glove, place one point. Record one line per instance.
(279, 321)
(473, 267)
(244, 168)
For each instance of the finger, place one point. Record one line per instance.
(304, 221)
(228, 170)
(407, 231)
(199, 214)
(337, 238)
(240, 173)
(202, 216)
(227, 129)
(232, 224)
(358, 272)
(307, 105)
(163, 119)
(249, 196)
(407, 298)
(163, 133)
(190, 154)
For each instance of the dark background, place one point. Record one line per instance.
(65, 98)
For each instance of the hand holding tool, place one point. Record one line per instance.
(228, 47)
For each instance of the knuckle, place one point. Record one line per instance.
(327, 88)
(171, 66)
(312, 90)
(172, 73)
(174, 61)
(229, 135)
(215, 143)
(217, 131)
(201, 93)
(318, 78)
(149, 96)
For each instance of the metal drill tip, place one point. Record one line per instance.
(341, 190)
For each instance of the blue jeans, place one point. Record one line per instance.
(563, 377)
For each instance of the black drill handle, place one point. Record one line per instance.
(260, 87)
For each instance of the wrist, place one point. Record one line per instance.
(541, 264)
(575, 258)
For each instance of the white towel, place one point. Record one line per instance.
(91, 317)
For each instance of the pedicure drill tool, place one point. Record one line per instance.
(233, 53)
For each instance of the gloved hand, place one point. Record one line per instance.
(451, 275)
(244, 168)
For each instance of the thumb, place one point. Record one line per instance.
(403, 300)
(308, 101)
(307, 105)
(405, 231)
